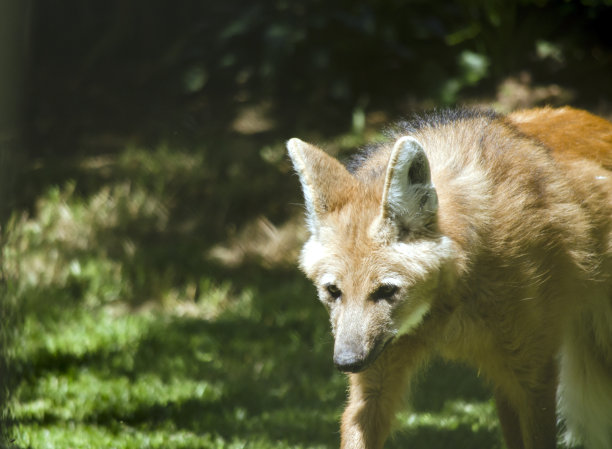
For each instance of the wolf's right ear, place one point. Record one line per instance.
(325, 181)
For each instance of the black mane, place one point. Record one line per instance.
(433, 119)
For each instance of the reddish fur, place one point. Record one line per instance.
(570, 133)
(526, 201)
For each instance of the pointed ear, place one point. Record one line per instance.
(325, 181)
(409, 197)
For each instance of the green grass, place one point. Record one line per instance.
(132, 337)
(106, 378)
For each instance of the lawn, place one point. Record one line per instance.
(138, 328)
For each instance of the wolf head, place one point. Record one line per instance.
(375, 253)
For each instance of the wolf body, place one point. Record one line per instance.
(482, 238)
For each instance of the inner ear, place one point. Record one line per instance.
(417, 174)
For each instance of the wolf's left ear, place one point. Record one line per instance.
(325, 181)
(409, 197)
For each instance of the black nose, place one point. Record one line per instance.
(349, 362)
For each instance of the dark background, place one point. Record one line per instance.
(95, 76)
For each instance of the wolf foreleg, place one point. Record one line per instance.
(377, 393)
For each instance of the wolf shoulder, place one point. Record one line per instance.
(533, 178)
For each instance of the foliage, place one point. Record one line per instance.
(189, 71)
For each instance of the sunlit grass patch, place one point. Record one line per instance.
(91, 436)
(77, 246)
(459, 424)
(208, 300)
(82, 331)
(477, 416)
(90, 396)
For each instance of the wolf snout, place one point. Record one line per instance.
(350, 356)
(349, 362)
(353, 357)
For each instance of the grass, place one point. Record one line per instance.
(132, 336)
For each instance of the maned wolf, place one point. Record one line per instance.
(483, 238)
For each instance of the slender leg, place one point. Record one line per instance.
(539, 422)
(376, 394)
(527, 412)
(510, 424)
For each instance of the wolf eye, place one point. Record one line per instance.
(385, 291)
(333, 291)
